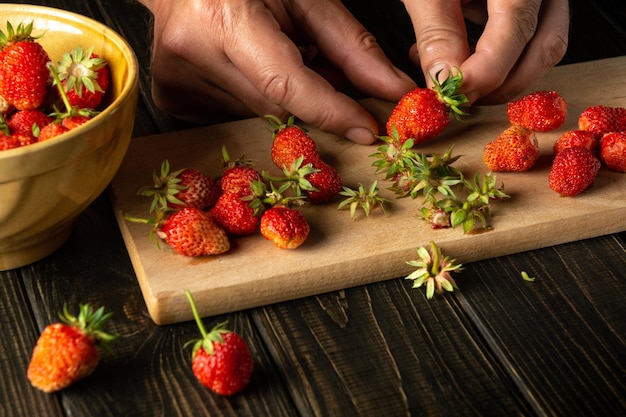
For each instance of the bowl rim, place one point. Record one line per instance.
(49, 13)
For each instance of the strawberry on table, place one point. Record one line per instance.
(515, 150)
(613, 151)
(602, 119)
(326, 181)
(193, 232)
(68, 351)
(84, 77)
(573, 170)
(221, 360)
(234, 214)
(541, 111)
(291, 142)
(575, 137)
(423, 113)
(286, 228)
(24, 76)
(180, 188)
(238, 174)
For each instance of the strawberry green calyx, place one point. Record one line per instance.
(91, 322)
(433, 270)
(78, 68)
(166, 184)
(278, 125)
(206, 342)
(364, 198)
(23, 32)
(69, 109)
(448, 92)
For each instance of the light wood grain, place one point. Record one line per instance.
(342, 253)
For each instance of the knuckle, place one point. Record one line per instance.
(276, 85)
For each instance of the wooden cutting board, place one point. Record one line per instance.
(342, 253)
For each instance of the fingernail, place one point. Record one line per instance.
(361, 135)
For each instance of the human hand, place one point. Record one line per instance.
(242, 57)
(521, 41)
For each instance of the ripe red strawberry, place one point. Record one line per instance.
(220, 360)
(613, 151)
(184, 187)
(291, 142)
(68, 351)
(72, 121)
(541, 111)
(573, 170)
(285, 227)
(233, 213)
(8, 141)
(50, 131)
(193, 232)
(515, 149)
(326, 180)
(24, 76)
(237, 179)
(28, 122)
(602, 119)
(84, 76)
(423, 113)
(573, 138)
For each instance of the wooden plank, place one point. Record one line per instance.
(368, 251)
(563, 334)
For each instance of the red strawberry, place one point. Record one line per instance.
(573, 138)
(72, 121)
(541, 111)
(220, 360)
(233, 213)
(68, 351)
(84, 76)
(573, 170)
(286, 228)
(515, 150)
(193, 232)
(184, 187)
(613, 151)
(602, 119)
(23, 72)
(291, 142)
(50, 131)
(327, 182)
(28, 122)
(237, 179)
(9, 141)
(423, 113)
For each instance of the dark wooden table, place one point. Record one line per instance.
(500, 346)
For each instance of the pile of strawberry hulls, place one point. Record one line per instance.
(197, 215)
(39, 99)
(578, 154)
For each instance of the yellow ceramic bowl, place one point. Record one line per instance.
(44, 186)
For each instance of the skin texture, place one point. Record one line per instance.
(264, 57)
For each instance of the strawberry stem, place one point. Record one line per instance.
(196, 315)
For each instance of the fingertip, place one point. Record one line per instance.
(361, 135)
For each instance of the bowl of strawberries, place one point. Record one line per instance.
(68, 97)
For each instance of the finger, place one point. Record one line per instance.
(546, 49)
(510, 27)
(272, 63)
(350, 47)
(441, 38)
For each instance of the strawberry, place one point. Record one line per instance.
(237, 175)
(193, 232)
(221, 359)
(291, 142)
(233, 213)
(73, 120)
(68, 351)
(84, 77)
(184, 187)
(8, 141)
(541, 111)
(326, 181)
(573, 170)
(23, 72)
(423, 113)
(573, 138)
(286, 228)
(515, 149)
(50, 131)
(11, 140)
(613, 151)
(28, 122)
(602, 119)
